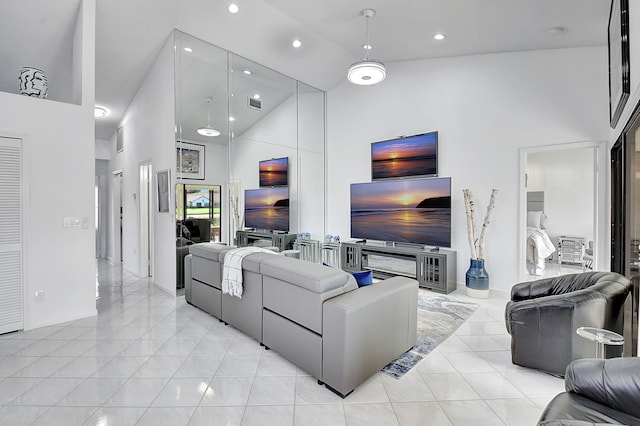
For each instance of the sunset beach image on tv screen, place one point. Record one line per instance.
(267, 208)
(274, 172)
(403, 157)
(411, 211)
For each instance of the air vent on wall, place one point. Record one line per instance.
(254, 103)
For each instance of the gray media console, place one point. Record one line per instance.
(280, 240)
(435, 270)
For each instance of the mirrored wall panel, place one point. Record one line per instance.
(255, 135)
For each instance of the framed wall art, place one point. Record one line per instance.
(189, 160)
(619, 80)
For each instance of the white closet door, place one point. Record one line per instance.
(11, 318)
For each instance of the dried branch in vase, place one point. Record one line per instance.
(477, 244)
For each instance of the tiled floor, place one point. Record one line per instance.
(150, 359)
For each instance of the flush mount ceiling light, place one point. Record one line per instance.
(439, 36)
(233, 8)
(296, 43)
(367, 71)
(208, 130)
(100, 112)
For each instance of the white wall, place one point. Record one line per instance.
(59, 156)
(567, 178)
(148, 129)
(485, 108)
(103, 149)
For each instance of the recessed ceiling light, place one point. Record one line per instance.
(439, 36)
(233, 8)
(188, 49)
(232, 119)
(367, 47)
(247, 72)
(256, 96)
(296, 43)
(100, 112)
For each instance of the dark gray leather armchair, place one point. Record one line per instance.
(543, 315)
(598, 392)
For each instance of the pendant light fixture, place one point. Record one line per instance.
(367, 71)
(208, 130)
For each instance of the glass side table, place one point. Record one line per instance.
(602, 337)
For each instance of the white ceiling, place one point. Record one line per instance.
(129, 34)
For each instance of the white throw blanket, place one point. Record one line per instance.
(539, 247)
(232, 269)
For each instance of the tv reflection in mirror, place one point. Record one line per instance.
(414, 211)
(415, 155)
(274, 172)
(267, 208)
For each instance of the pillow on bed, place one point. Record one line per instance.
(535, 219)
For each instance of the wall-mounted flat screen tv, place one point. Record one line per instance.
(267, 208)
(415, 155)
(408, 211)
(274, 172)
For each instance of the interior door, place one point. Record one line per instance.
(11, 285)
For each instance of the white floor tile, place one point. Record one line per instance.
(91, 392)
(481, 343)
(268, 415)
(217, 416)
(470, 413)
(115, 416)
(136, 393)
(468, 362)
(174, 416)
(320, 415)
(370, 414)
(370, 391)
(227, 391)
(420, 414)
(13, 415)
(13, 387)
(491, 385)
(238, 366)
(515, 412)
(159, 367)
(272, 364)
(12, 364)
(410, 387)
(534, 383)
(308, 391)
(273, 390)
(83, 366)
(64, 416)
(47, 392)
(449, 386)
(199, 366)
(453, 344)
(121, 366)
(182, 393)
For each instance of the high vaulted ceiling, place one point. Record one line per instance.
(129, 34)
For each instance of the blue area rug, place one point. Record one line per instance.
(438, 318)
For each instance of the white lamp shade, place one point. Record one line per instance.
(367, 72)
(208, 131)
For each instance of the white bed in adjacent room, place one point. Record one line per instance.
(539, 245)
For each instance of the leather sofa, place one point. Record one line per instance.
(597, 392)
(542, 318)
(315, 316)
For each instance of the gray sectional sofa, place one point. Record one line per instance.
(315, 316)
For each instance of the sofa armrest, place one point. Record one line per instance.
(365, 329)
(531, 289)
(612, 382)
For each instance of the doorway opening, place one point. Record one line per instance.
(562, 197)
(146, 220)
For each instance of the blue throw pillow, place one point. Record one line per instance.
(363, 278)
